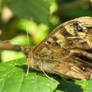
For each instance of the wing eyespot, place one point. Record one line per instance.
(83, 68)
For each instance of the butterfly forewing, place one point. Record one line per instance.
(66, 50)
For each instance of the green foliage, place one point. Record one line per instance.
(37, 10)
(13, 78)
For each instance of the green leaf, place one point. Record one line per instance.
(86, 85)
(89, 86)
(68, 86)
(37, 10)
(13, 79)
(76, 86)
(59, 91)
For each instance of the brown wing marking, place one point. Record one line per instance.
(54, 37)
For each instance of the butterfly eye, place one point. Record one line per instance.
(36, 57)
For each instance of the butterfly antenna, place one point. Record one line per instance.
(27, 67)
(26, 27)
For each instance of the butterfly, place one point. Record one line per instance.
(67, 51)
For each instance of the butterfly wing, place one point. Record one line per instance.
(66, 50)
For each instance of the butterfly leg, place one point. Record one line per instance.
(30, 63)
(27, 67)
(41, 68)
